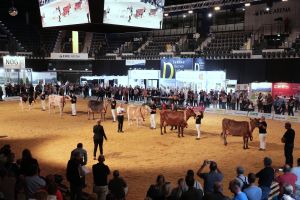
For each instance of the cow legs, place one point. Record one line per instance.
(225, 138)
(161, 129)
(245, 140)
(165, 129)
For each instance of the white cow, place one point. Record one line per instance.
(57, 101)
(137, 113)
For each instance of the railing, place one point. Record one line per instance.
(227, 27)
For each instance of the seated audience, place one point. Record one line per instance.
(214, 175)
(252, 191)
(26, 162)
(217, 194)
(296, 171)
(243, 180)
(100, 174)
(192, 193)
(117, 187)
(33, 182)
(234, 187)
(157, 191)
(197, 185)
(265, 178)
(7, 184)
(177, 192)
(286, 178)
(287, 192)
(53, 192)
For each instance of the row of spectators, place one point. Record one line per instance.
(22, 180)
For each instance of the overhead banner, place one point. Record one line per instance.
(285, 89)
(13, 62)
(143, 74)
(70, 56)
(169, 66)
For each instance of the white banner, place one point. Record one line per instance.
(280, 117)
(70, 56)
(13, 62)
(144, 74)
(253, 114)
(135, 62)
(266, 115)
(241, 113)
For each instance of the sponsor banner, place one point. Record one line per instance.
(280, 117)
(241, 113)
(266, 115)
(210, 110)
(199, 64)
(285, 89)
(230, 112)
(143, 74)
(293, 118)
(136, 63)
(13, 62)
(220, 111)
(253, 114)
(69, 56)
(169, 66)
(244, 87)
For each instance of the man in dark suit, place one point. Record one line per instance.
(74, 177)
(288, 140)
(99, 134)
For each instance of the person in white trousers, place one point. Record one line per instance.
(43, 102)
(152, 115)
(199, 117)
(73, 104)
(262, 126)
(113, 104)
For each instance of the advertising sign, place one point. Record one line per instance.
(199, 64)
(169, 66)
(70, 56)
(143, 74)
(136, 63)
(285, 89)
(13, 62)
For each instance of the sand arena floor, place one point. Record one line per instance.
(140, 153)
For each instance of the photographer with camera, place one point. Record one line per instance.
(214, 175)
(262, 126)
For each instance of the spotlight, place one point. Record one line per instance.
(190, 11)
(284, 0)
(217, 8)
(210, 15)
(267, 9)
(70, 69)
(86, 70)
(166, 14)
(247, 4)
(54, 69)
(184, 16)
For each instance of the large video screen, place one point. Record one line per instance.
(137, 13)
(64, 12)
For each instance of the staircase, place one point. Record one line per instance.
(57, 46)
(87, 42)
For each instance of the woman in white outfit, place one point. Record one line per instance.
(262, 126)
(199, 117)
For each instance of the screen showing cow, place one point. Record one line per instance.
(137, 13)
(64, 12)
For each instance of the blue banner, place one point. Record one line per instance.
(169, 66)
(199, 64)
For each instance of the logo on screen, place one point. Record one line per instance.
(168, 71)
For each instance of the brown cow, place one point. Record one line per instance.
(238, 128)
(97, 106)
(175, 118)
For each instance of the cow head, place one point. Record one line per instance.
(253, 123)
(190, 112)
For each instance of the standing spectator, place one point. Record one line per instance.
(243, 180)
(291, 104)
(296, 171)
(217, 194)
(253, 192)
(214, 175)
(192, 193)
(262, 126)
(266, 177)
(120, 113)
(113, 104)
(288, 140)
(234, 187)
(74, 178)
(82, 152)
(1, 93)
(100, 173)
(152, 115)
(99, 134)
(199, 117)
(197, 185)
(117, 187)
(286, 178)
(43, 102)
(73, 103)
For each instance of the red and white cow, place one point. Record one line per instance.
(57, 101)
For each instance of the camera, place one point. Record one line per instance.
(208, 162)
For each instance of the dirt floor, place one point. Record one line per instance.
(139, 153)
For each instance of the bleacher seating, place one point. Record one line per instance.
(67, 42)
(222, 44)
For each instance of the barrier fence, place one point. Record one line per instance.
(253, 114)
